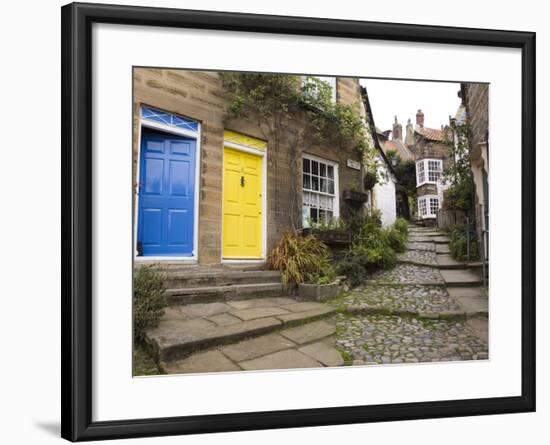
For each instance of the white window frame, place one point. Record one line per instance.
(426, 201)
(330, 80)
(335, 196)
(423, 171)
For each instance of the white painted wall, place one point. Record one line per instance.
(384, 197)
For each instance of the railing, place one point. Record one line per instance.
(482, 219)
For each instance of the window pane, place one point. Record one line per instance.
(330, 187)
(315, 183)
(323, 185)
(330, 215)
(330, 171)
(315, 167)
(313, 215)
(306, 181)
(323, 169)
(306, 165)
(322, 215)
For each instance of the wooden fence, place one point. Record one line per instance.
(448, 218)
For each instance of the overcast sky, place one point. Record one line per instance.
(438, 101)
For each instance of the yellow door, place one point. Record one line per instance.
(242, 205)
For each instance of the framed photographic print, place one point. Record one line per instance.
(275, 222)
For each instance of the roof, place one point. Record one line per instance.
(431, 133)
(400, 148)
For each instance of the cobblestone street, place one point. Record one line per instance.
(412, 313)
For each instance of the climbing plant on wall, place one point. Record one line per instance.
(461, 193)
(297, 112)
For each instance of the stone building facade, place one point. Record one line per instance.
(475, 100)
(209, 191)
(432, 150)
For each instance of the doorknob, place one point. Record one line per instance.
(242, 181)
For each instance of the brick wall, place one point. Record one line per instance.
(199, 96)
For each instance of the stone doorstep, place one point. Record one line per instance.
(176, 338)
(220, 278)
(210, 294)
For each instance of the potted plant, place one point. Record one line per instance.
(355, 196)
(332, 232)
(320, 286)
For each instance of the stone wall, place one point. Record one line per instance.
(476, 101)
(199, 96)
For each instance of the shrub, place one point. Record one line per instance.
(298, 258)
(395, 238)
(149, 299)
(458, 245)
(402, 225)
(459, 196)
(353, 267)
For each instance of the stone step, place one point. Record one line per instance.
(181, 279)
(185, 267)
(442, 248)
(441, 239)
(207, 294)
(461, 277)
(269, 351)
(190, 328)
(446, 261)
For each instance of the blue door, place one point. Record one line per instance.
(166, 194)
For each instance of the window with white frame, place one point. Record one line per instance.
(420, 173)
(330, 81)
(428, 171)
(319, 190)
(428, 206)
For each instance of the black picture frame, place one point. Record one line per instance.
(77, 20)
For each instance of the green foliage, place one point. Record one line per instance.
(353, 268)
(461, 193)
(298, 258)
(402, 225)
(459, 244)
(395, 238)
(325, 275)
(326, 225)
(460, 196)
(405, 173)
(373, 247)
(149, 299)
(281, 103)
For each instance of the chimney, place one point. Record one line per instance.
(409, 134)
(420, 118)
(397, 132)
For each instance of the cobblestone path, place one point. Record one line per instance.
(411, 313)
